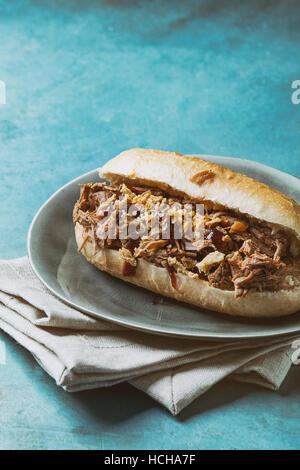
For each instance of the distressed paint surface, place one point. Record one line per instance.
(85, 80)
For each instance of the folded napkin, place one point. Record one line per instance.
(81, 352)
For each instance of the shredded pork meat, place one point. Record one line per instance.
(254, 257)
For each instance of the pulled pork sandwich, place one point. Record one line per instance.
(247, 260)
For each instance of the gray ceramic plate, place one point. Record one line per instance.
(54, 258)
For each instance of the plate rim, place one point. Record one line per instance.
(132, 324)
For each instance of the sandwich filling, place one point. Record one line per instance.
(235, 252)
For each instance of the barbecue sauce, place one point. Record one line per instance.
(132, 244)
(128, 269)
(216, 237)
(202, 276)
(171, 271)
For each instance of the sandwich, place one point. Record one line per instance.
(239, 254)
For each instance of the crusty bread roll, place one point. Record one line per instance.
(199, 180)
(192, 291)
(203, 181)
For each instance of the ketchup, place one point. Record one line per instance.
(128, 269)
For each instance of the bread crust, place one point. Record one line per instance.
(203, 181)
(193, 291)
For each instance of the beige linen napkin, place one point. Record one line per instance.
(81, 352)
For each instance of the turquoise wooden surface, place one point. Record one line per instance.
(85, 80)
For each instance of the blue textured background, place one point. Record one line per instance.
(87, 79)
